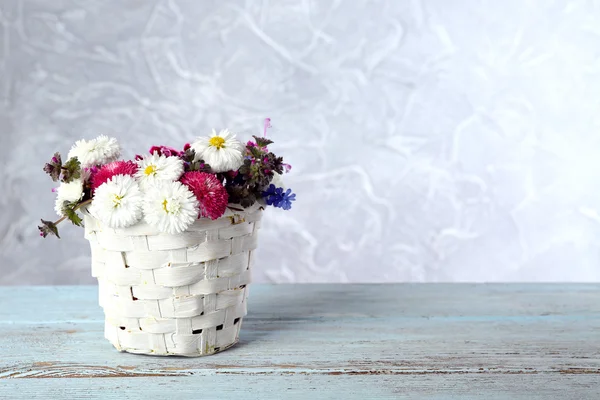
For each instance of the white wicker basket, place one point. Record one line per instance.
(181, 294)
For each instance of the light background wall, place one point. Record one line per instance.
(430, 140)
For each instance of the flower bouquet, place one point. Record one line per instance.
(172, 235)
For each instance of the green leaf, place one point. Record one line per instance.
(69, 212)
(256, 152)
(248, 200)
(53, 168)
(245, 168)
(262, 141)
(47, 228)
(276, 163)
(74, 218)
(189, 155)
(192, 165)
(71, 170)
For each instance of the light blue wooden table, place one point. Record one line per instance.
(432, 341)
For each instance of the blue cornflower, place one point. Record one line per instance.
(286, 199)
(276, 197)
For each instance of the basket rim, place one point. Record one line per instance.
(142, 228)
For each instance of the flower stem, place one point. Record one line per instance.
(83, 203)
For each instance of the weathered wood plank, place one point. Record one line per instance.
(302, 387)
(385, 336)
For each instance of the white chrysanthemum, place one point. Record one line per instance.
(154, 169)
(99, 151)
(222, 151)
(118, 202)
(278, 180)
(72, 191)
(170, 206)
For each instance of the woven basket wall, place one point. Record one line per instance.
(181, 294)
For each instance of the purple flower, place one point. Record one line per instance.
(276, 197)
(165, 151)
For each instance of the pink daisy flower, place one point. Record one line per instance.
(111, 169)
(209, 191)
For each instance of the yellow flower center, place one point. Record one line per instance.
(117, 200)
(171, 207)
(150, 170)
(217, 141)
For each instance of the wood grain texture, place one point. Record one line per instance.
(432, 341)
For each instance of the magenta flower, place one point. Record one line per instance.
(209, 191)
(111, 169)
(165, 151)
(253, 144)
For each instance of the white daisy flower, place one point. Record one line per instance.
(72, 191)
(171, 207)
(99, 151)
(278, 180)
(222, 151)
(118, 202)
(152, 169)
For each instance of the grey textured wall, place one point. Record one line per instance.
(431, 140)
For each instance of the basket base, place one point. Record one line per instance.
(146, 353)
(210, 341)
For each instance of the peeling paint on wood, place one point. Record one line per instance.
(364, 341)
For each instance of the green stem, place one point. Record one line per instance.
(83, 203)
